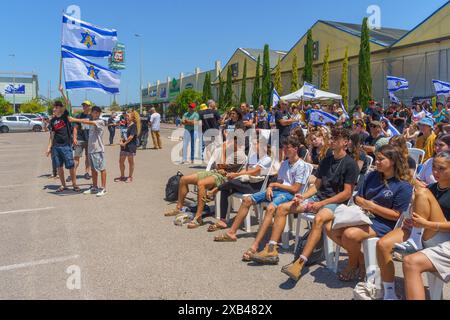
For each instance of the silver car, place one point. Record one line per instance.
(18, 123)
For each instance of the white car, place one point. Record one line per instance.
(17, 123)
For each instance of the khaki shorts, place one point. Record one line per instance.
(219, 179)
(97, 161)
(80, 149)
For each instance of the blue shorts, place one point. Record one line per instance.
(279, 197)
(332, 207)
(380, 228)
(63, 155)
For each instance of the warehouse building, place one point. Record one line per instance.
(19, 87)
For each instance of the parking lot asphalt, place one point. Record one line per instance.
(73, 246)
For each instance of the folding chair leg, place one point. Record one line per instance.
(285, 237)
(217, 204)
(298, 231)
(328, 246)
(248, 223)
(370, 259)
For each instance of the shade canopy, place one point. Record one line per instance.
(320, 95)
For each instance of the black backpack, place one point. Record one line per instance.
(316, 257)
(172, 187)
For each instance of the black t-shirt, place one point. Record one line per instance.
(363, 136)
(284, 130)
(210, 119)
(400, 114)
(82, 134)
(302, 152)
(315, 155)
(110, 122)
(131, 147)
(443, 197)
(411, 163)
(144, 125)
(230, 125)
(62, 129)
(334, 174)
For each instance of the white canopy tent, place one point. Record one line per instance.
(320, 95)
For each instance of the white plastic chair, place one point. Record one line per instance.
(409, 145)
(417, 155)
(436, 286)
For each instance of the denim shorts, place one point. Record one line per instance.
(279, 197)
(80, 149)
(63, 155)
(332, 207)
(97, 161)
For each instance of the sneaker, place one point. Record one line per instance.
(87, 176)
(406, 248)
(268, 256)
(367, 291)
(91, 191)
(102, 193)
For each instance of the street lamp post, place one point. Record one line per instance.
(13, 56)
(140, 71)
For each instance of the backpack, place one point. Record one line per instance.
(172, 187)
(316, 257)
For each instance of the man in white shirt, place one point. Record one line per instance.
(155, 121)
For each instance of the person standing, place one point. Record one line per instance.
(112, 128)
(210, 120)
(283, 122)
(80, 140)
(143, 138)
(96, 150)
(155, 122)
(60, 143)
(189, 121)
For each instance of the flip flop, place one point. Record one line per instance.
(224, 238)
(61, 189)
(216, 227)
(121, 179)
(194, 224)
(76, 189)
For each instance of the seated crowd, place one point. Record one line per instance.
(408, 203)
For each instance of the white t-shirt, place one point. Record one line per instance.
(265, 163)
(292, 174)
(155, 119)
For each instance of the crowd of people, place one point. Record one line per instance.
(72, 137)
(362, 161)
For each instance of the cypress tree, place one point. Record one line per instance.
(365, 76)
(207, 92)
(221, 95)
(325, 85)
(277, 80)
(256, 96)
(344, 80)
(266, 80)
(229, 89)
(294, 83)
(244, 84)
(308, 70)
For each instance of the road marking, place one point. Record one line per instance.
(26, 210)
(37, 263)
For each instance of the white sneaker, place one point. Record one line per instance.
(91, 191)
(102, 193)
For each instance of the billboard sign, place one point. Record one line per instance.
(117, 59)
(18, 89)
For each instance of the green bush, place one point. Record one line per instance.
(5, 107)
(33, 106)
(180, 105)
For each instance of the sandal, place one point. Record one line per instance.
(247, 257)
(195, 223)
(208, 198)
(349, 275)
(216, 227)
(76, 189)
(61, 189)
(172, 213)
(128, 180)
(224, 238)
(121, 179)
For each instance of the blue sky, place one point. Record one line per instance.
(179, 35)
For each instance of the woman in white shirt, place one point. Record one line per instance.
(418, 114)
(426, 177)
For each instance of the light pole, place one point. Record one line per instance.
(13, 56)
(140, 71)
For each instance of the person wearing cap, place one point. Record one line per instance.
(210, 119)
(427, 138)
(80, 140)
(376, 139)
(189, 121)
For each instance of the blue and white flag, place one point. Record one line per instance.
(275, 97)
(395, 84)
(393, 98)
(309, 90)
(345, 111)
(319, 117)
(442, 88)
(391, 127)
(86, 39)
(81, 73)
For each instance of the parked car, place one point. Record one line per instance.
(31, 116)
(19, 123)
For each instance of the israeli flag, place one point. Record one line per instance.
(81, 73)
(319, 117)
(345, 111)
(86, 39)
(393, 129)
(275, 98)
(442, 88)
(393, 98)
(395, 84)
(309, 90)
